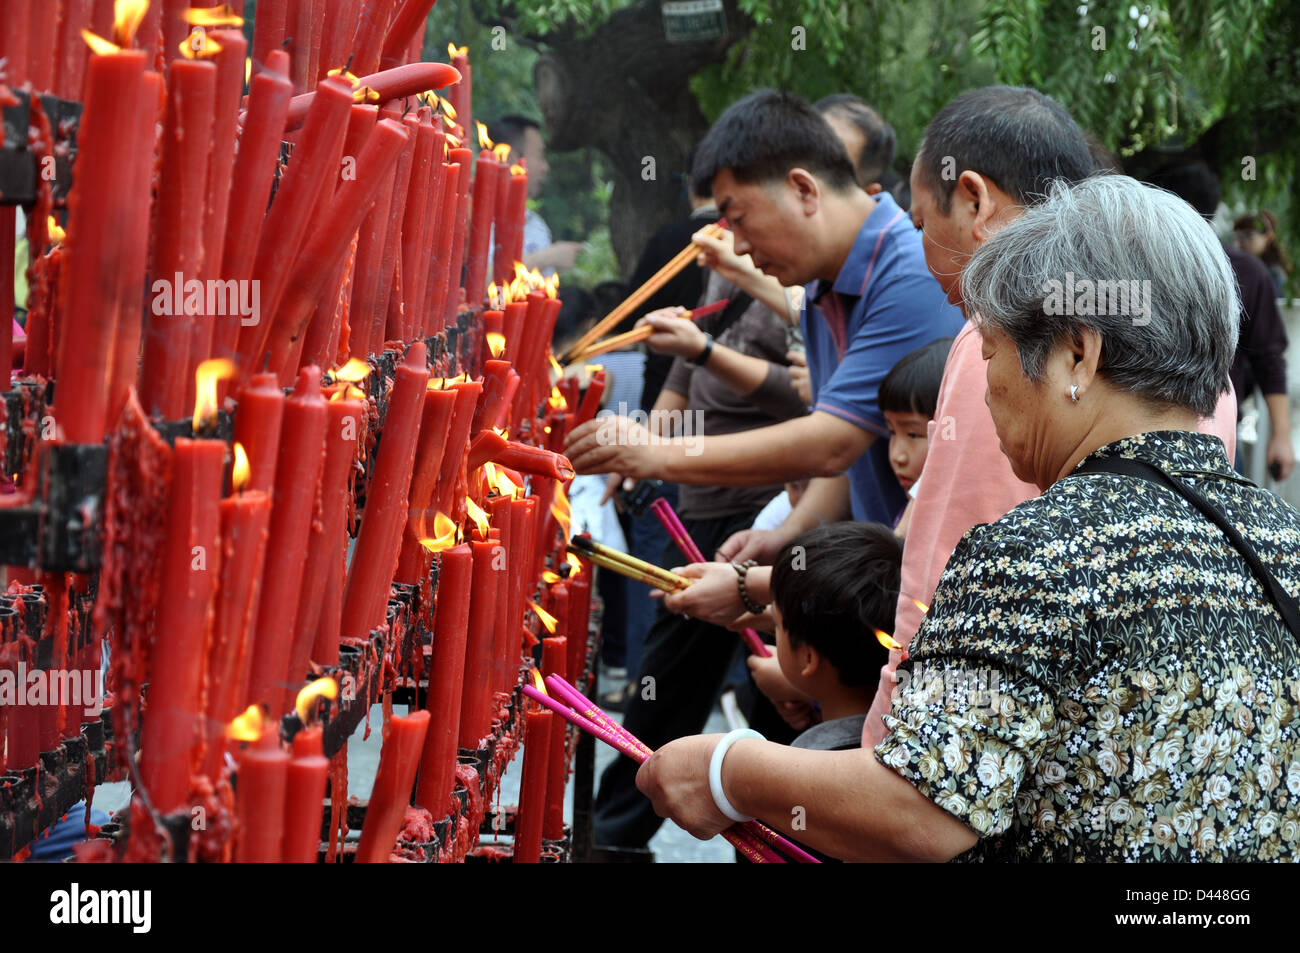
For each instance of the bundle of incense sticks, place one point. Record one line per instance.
(639, 297)
(755, 840)
(636, 335)
(625, 565)
(673, 524)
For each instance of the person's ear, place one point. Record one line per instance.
(1081, 353)
(807, 190)
(809, 661)
(978, 198)
(874, 188)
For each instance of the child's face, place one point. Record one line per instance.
(908, 445)
(785, 654)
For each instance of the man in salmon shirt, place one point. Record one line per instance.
(985, 156)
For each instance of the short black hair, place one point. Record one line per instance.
(1020, 138)
(834, 587)
(912, 385)
(1193, 182)
(763, 136)
(511, 131)
(878, 140)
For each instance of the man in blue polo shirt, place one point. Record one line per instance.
(788, 191)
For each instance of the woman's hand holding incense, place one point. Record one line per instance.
(676, 779)
(674, 333)
(713, 597)
(760, 545)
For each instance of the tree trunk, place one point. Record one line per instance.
(625, 90)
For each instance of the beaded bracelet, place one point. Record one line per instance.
(741, 570)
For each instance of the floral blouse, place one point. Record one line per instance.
(1102, 678)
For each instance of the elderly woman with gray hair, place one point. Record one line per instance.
(1112, 670)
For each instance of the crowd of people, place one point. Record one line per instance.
(1021, 604)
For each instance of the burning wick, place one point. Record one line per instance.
(306, 703)
(241, 471)
(445, 534)
(544, 617)
(246, 727)
(206, 376)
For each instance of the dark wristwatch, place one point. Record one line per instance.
(704, 355)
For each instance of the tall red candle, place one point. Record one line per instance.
(260, 800)
(374, 560)
(370, 273)
(505, 654)
(369, 42)
(325, 648)
(15, 39)
(462, 417)
(460, 226)
(343, 432)
(390, 262)
(443, 234)
(94, 280)
(304, 798)
(494, 391)
(398, 760)
(268, 30)
(510, 222)
(191, 567)
(446, 683)
(475, 709)
(486, 172)
(434, 424)
(186, 148)
(258, 417)
(407, 23)
(44, 29)
(245, 518)
(577, 624)
(422, 320)
(532, 788)
(413, 217)
(297, 471)
(554, 661)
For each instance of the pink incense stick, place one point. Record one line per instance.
(673, 524)
(594, 713)
(749, 844)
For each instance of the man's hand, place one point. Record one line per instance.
(1281, 453)
(713, 597)
(612, 445)
(561, 256)
(799, 379)
(676, 779)
(718, 254)
(761, 545)
(674, 333)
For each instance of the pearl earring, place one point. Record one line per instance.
(1074, 393)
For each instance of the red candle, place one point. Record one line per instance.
(325, 649)
(524, 517)
(315, 163)
(254, 170)
(302, 14)
(373, 25)
(434, 425)
(190, 570)
(407, 23)
(174, 27)
(512, 327)
(94, 280)
(413, 246)
(245, 518)
(297, 471)
(591, 400)
(534, 460)
(554, 651)
(15, 37)
(7, 241)
(452, 298)
(487, 445)
(462, 94)
(475, 709)
(390, 262)
(44, 29)
(505, 654)
(443, 234)
(486, 171)
(576, 625)
(268, 31)
(398, 760)
(260, 800)
(374, 560)
(510, 222)
(178, 241)
(374, 263)
(422, 317)
(304, 798)
(446, 684)
(327, 245)
(346, 423)
(453, 456)
(258, 417)
(388, 84)
(495, 374)
(532, 788)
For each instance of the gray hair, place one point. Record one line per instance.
(1130, 261)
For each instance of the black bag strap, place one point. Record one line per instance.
(736, 307)
(1286, 606)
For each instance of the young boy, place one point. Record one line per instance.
(907, 397)
(833, 589)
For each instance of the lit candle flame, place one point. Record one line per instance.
(888, 641)
(248, 70)
(552, 285)
(212, 16)
(354, 370)
(921, 605)
(517, 169)
(306, 702)
(556, 401)
(561, 510)
(551, 578)
(501, 483)
(496, 342)
(494, 295)
(502, 151)
(476, 514)
(198, 45)
(445, 538)
(575, 564)
(348, 392)
(451, 142)
(539, 682)
(206, 376)
(364, 94)
(55, 231)
(483, 139)
(442, 383)
(448, 110)
(127, 17)
(242, 470)
(454, 51)
(98, 44)
(545, 617)
(246, 727)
